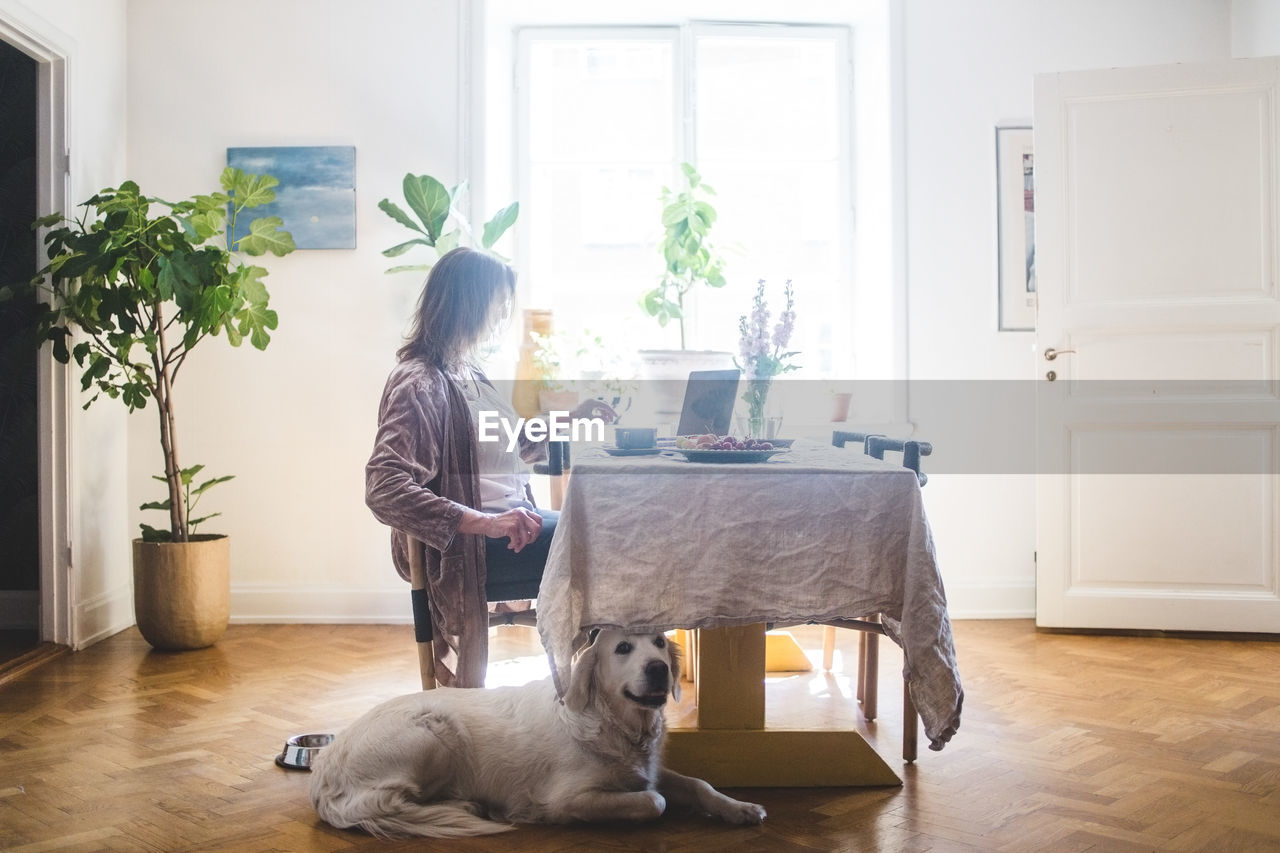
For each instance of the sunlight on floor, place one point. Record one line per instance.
(516, 671)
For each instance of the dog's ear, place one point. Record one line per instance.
(676, 653)
(582, 678)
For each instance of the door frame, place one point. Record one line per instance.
(45, 44)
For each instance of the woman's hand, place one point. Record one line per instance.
(594, 408)
(520, 525)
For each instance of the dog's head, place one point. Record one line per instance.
(637, 669)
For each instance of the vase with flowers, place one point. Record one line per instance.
(762, 355)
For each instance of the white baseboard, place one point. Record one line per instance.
(1012, 599)
(20, 609)
(269, 603)
(102, 616)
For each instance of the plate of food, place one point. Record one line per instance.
(724, 449)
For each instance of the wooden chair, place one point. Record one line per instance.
(869, 642)
(424, 630)
(557, 467)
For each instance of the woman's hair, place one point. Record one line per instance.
(458, 306)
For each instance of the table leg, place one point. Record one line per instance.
(731, 678)
(732, 747)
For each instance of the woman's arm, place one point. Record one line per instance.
(533, 451)
(407, 453)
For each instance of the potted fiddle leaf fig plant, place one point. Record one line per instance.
(133, 285)
(440, 224)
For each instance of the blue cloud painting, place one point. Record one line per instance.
(316, 197)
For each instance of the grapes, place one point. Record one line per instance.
(709, 441)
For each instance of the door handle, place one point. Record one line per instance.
(1050, 354)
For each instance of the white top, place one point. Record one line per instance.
(503, 475)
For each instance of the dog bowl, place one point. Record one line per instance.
(301, 750)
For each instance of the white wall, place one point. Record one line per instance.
(295, 423)
(92, 37)
(970, 66)
(1255, 28)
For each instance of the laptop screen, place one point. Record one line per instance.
(708, 402)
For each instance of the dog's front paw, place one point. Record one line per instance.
(736, 811)
(652, 805)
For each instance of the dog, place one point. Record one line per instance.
(454, 762)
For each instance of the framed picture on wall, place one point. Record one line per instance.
(1015, 228)
(316, 196)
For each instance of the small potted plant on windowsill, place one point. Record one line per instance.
(690, 261)
(132, 287)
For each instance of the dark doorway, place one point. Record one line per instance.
(19, 450)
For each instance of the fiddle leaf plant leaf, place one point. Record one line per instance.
(247, 190)
(254, 319)
(397, 213)
(266, 235)
(498, 225)
(409, 268)
(208, 484)
(397, 251)
(152, 534)
(428, 198)
(449, 242)
(186, 475)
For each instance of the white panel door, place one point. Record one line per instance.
(1158, 334)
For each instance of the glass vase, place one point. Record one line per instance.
(759, 421)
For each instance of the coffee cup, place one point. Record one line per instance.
(635, 438)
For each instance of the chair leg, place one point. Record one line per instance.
(427, 665)
(828, 647)
(557, 492)
(862, 665)
(871, 677)
(910, 724)
(421, 614)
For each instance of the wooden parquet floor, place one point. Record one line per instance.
(1068, 743)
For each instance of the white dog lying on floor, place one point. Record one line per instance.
(453, 762)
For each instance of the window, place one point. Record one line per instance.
(605, 117)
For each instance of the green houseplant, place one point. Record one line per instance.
(132, 286)
(439, 223)
(689, 257)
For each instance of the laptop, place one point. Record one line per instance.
(709, 397)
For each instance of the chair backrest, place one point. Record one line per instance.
(875, 445)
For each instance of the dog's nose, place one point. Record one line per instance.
(656, 673)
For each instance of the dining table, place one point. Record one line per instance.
(725, 546)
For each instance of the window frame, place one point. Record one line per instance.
(684, 38)
(879, 287)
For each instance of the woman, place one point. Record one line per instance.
(431, 478)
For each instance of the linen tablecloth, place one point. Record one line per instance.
(654, 543)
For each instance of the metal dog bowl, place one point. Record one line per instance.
(301, 750)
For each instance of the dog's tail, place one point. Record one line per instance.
(389, 813)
